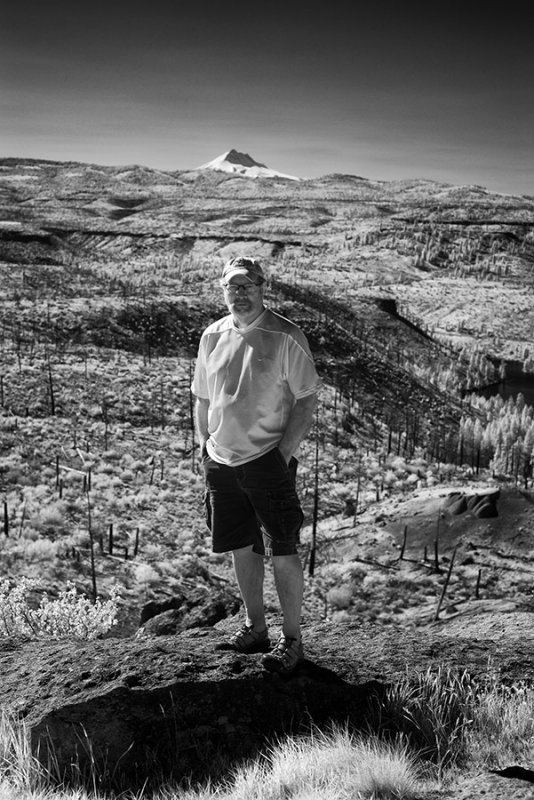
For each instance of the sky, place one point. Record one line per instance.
(384, 89)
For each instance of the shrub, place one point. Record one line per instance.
(71, 615)
(340, 596)
(40, 550)
(50, 518)
(146, 575)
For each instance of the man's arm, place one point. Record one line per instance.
(298, 425)
(201, 420)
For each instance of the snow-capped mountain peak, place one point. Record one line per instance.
(243, 164)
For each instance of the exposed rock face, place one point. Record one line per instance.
(480, 504)
(197, 608)
(169, 705)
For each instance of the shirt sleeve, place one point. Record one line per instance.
(199, 386)
(301, 374)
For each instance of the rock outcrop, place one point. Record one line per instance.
(196, 608)
(481, 504)
(170, 706)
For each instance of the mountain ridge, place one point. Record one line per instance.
(260, 170)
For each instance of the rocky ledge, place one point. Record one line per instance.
(171, 706)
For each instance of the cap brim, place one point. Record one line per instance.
(238, 271)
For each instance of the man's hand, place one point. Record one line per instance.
(285, 454)
(201, 420)
(299, 423)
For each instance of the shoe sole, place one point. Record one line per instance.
(274, 665)
(259, 647)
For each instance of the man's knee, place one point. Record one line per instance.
(287, 563)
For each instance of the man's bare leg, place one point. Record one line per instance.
(289, 581)
(249, 572)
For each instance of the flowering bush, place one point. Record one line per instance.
(71, 615)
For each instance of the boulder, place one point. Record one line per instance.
(200, 607)
(155, 607)
(174, 706)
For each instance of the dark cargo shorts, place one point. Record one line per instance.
(255, 503)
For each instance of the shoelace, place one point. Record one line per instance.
(285, 644)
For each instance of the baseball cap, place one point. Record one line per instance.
(241, 265)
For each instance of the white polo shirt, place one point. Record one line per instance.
(252, 378)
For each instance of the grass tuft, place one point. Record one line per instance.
(432, 713)
(324, 766)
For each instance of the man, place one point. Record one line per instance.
(256, 390)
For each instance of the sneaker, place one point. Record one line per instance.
(285, 656)
(247, 640)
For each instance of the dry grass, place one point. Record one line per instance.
(431, 734)
(329, 766)
(502, 732)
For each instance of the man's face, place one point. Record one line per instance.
(243, 298)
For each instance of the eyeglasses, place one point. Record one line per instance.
(234, 288)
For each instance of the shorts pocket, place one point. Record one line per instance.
(281, 517)
(280, 458)
(289, 468)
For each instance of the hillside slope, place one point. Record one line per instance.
(109, 276)
(458, 261)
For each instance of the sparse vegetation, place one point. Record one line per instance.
(414, 298)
